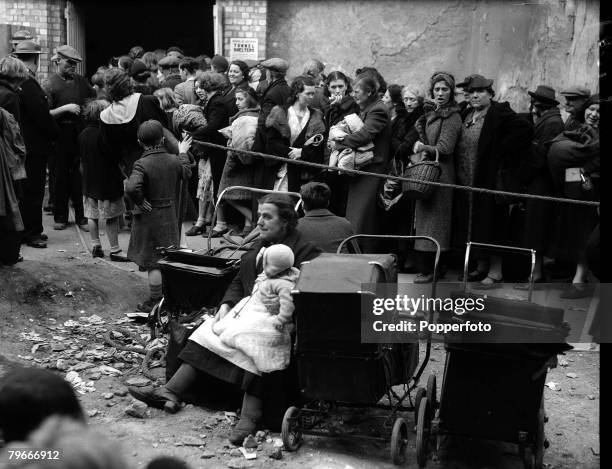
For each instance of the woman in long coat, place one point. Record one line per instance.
(238, 169)
(439, 130)
(154, 188)
(361, 207)
(494, 142)
(296, 131)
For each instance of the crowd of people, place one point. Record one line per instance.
(126, 145)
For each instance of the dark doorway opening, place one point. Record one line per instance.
(112, 27)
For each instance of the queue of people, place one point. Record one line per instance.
(127, 145)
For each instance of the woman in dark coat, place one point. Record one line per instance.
(154, 187)
(578, 149)
(120, 121)
(296, 131)
(217, 117)
(266, 396)
(361, 208)
(494, 142)
(338, 91)
(536, 176)
(439, 130)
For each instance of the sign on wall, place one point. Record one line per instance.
(243, 48)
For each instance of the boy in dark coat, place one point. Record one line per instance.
(153, 186)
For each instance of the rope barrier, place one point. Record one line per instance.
(357, 172)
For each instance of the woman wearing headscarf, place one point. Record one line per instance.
(439, 129)
(494, 142)
(574, 162)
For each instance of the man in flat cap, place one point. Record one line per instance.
(575, 99)
(276, 94)
(169, 67)
(67, 92)
(39, 131)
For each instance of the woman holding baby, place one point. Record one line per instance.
(277, 224)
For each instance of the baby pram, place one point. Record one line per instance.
(334, 367)
(493, 386)
(194, 282)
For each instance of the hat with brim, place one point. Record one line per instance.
(27, 47)
(465, 82)
(251, 63)
(67, 52)
(277, 64)
(544, 94)
(478, 82)
(21, 35)
(169, 61)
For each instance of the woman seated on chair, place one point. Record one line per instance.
(277, 224)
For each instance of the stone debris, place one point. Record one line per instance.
(235, 453)
(248, 453)
(80, 386)
(207, 455)
(138, 382)
(121, 392)
(572, 375)
(108, 395)
(192, 441)
(276, 453)
(137, 409)
(249, 442)
(92, 412)
(553, 386)
(591, 397)
(238, 464)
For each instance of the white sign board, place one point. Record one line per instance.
(243, 48)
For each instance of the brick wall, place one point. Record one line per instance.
(244, 19)
(45, 18)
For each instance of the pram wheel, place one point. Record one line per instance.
(422, 433)
(420, 394)
(399, 441)
(432, 398)
(291, 430)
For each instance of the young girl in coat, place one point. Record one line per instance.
(255, 334)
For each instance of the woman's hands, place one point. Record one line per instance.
(222, 311)
(185, 144)
(145, 206)
(418, 146)
(295, 153)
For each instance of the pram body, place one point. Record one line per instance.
(493, 387)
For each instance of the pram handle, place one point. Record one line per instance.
(248, 189)
(499, 247)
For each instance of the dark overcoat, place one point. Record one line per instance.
(278, 136)
(361, 207)
(504, 143)
(39, 129)
(217, 117)
(155, 177)
(264, 170)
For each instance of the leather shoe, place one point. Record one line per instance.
(245, 427)
(194, 230)
(157, 398)
(44, 237)
(83, 224)
(97, 251)
(118, 257)
(37, 243)
(219, 233)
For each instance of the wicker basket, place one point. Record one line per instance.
(429, 171)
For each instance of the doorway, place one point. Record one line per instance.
(112, 27)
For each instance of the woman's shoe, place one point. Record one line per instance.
(159, 398)
(423, 278)
(489, 283)
(577, 290)
(245, 427)
(476, 276)
(195, 230)
(218, 233)
(97, 251)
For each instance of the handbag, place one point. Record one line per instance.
(391, 191)
(423, 170)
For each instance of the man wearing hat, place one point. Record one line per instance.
(20, 36)
(39, 131)
(536, 177)
(276, 94)
(67, 93)
(575, 99)
(169, 67)
(465, 104)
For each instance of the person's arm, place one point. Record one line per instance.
(179, 94)
(449, 134)
(36, 107)
(234, 293)
(285, 313)
(276, 144)
(375, 122)
(135, 184)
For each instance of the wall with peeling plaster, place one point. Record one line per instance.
(519, 44)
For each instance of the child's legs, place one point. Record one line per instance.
(94, 232)
(112, 231)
